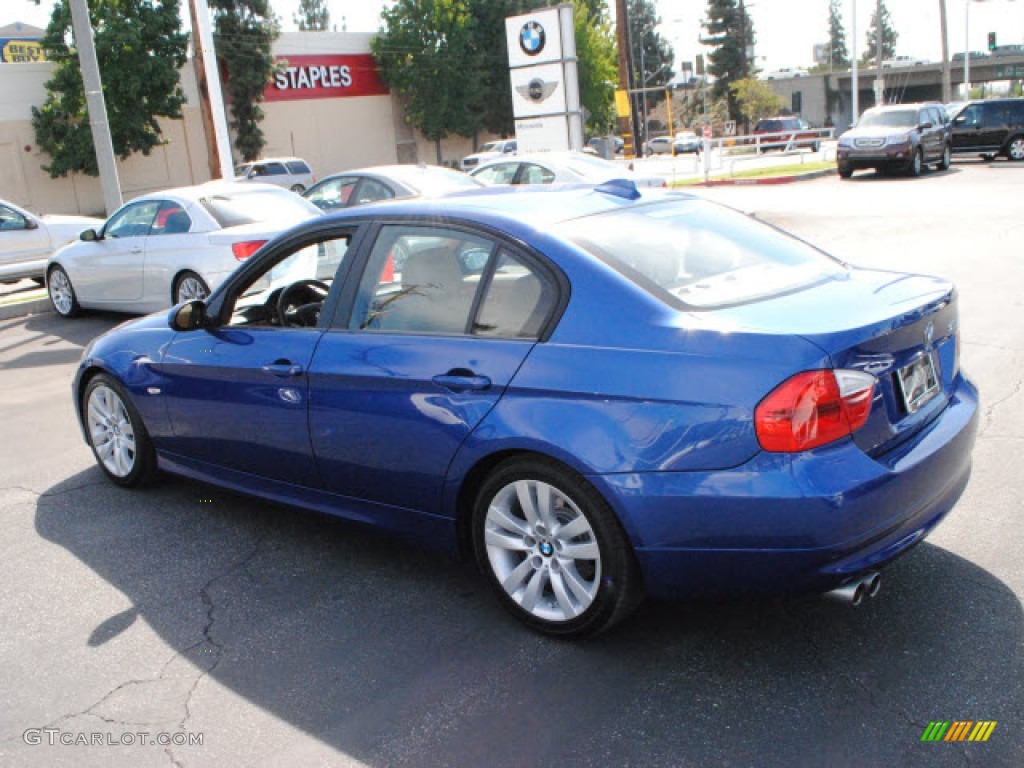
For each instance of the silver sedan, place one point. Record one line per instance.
(558, 168)
(27, 241)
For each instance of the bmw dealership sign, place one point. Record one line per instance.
(545, 86)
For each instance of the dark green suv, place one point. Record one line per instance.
(990, 128)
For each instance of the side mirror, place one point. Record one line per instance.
(31, 223)
(959, 119)
(189, 316)
(89, 236)
(924, 126)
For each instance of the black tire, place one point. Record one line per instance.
(845, 171)
(988, 158)
(62, 292)
(188, 286)
(1015, 148)
(947, 158)
(576, 596)
(40, 281)
(298, 189)
(916, 164)
(112, 422)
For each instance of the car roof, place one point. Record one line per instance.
(537, 206)
(218, 187)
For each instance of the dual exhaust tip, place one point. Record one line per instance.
(854, 593)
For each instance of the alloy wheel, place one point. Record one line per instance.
(111, 431)
(190, 288)
(542, 550)
(61, 293)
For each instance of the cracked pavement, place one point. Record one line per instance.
(288, 638)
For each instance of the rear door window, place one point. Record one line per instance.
(298, 167)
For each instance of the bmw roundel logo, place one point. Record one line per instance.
(532, 38)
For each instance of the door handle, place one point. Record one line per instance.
(462, 380)
(136, 249)
(283, 369)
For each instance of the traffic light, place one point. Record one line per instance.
(991, 41)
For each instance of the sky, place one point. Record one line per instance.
(786, 29)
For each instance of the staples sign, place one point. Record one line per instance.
(325, 77)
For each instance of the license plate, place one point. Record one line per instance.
(918, 382)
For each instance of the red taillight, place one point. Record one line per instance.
(244, 250)
(813, 408)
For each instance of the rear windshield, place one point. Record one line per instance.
(297, 166)
(692, 254)
(232, 210)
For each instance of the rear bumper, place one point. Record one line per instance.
(786, 523)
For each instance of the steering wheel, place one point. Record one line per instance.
(299, 304)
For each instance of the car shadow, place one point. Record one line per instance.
(65, 338)
(890, 176)
(395, 656)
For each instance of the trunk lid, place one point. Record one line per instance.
(900, 328)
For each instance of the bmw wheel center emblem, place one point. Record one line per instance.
(532, 38)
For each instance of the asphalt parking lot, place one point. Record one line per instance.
(280, 637)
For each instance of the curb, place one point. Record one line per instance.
(29, 307)
(765, 180)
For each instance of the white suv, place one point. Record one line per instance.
(289, 172)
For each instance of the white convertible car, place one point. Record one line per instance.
(27, 241)
(172, 246)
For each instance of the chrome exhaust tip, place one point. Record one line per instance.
(854, 593)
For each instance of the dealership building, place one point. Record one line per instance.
(328, 105)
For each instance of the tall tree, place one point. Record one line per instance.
(838, 53)
(880, 20)
(140, 48)
(756, 99)
(312, 15)
(730, 32)
(244, 31)
(653, 56)
(428, 55)
(597, 66)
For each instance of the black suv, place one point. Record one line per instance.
(897, 137)
(990, 128)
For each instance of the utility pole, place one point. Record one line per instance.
(880, 78)
(947, 83)
(625, 66)
(215, 123)
(854, 86)
(96, 105)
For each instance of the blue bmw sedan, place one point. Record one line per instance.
(595, 393)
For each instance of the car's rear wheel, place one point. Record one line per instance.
(188, 287)
(816, 146)
(1015, 149)
(298, 189)
(553, 550)
(916, 163)
(944, 163)
(845, 171)
(62, 293)
(40, 281)
(116, 433)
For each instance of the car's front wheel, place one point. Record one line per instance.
(553, 550)
(117, 436)
(188, 287)
(298, 189)
(1015, 149)
(62, 293)
(916, 163)
(845, 171)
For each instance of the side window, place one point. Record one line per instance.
(511, 147)
(11, 219)
(970, 116)
(371, 190)
(259, 170)
(420, 280)
(994, 117)
(133, 220)
(276, 169)
(171, 219)
(298, 167)
(290, 291)
(534, 174)
(1015, 113)
(517, 302)
(334, 193)
(502, 173)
